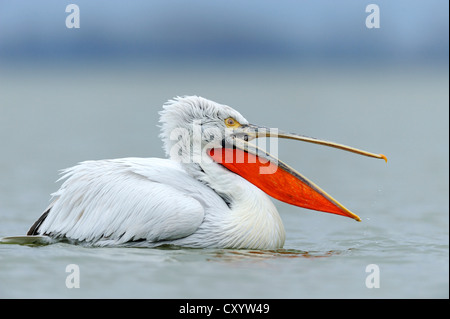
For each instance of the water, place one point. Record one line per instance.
(53, 118)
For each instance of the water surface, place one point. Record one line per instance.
(53, 118)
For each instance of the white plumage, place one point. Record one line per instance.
(152, 201)
(149, 202)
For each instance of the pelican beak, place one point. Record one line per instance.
(276, 178)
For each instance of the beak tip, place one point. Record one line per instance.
(383, 157)
(355, 217)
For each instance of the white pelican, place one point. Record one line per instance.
(210, 193)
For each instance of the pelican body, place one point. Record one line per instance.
(211, 192)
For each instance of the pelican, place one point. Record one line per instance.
(211, 192)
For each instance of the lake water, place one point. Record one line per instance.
(51, 119)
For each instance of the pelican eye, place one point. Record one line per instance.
(232, 123)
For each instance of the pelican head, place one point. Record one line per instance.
(194, 130)
(191, 124)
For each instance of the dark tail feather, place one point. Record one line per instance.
(34, 230)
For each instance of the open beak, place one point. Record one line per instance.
(276, 178)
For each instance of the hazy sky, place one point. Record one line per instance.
(200, 29)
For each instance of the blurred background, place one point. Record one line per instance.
(293, 32)
(311, 67)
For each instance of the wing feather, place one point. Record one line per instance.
(117, 201)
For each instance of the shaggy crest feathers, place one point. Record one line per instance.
(183, 112)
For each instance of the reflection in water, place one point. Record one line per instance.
(216, 254)
(238, 255)
(227, 255)
(245, 254)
